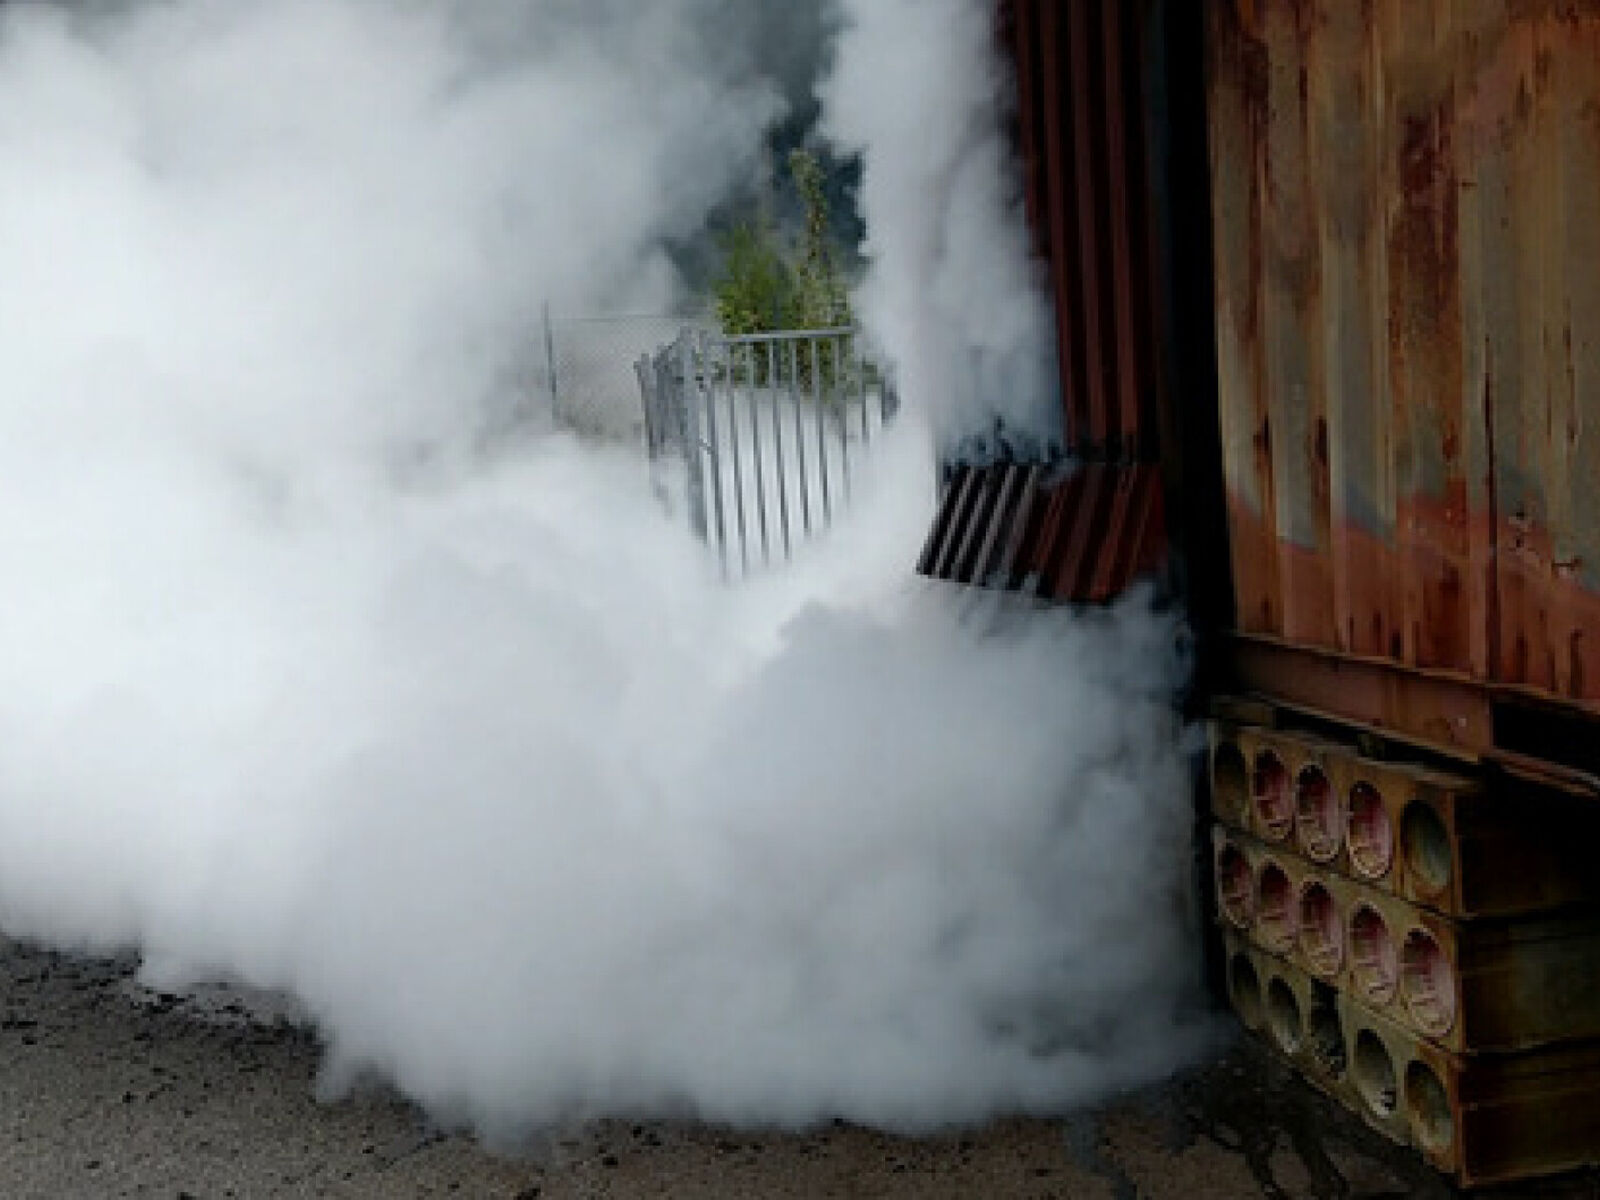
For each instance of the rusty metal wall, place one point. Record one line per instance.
(1406, 220)
(1081, 535)
(1081, 119)
(1109, 126)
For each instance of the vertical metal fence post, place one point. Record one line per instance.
(715, 362)
(688, 420)
(819, 402)
(749, 392)
(799, 437)
(644, 369)
(773, 370)
(713, 442)
(550, 362)
(839, 392)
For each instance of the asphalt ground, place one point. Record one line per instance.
(109, 1090)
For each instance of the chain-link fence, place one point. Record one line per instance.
(588, 376)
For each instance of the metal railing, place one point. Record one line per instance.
(770, 429)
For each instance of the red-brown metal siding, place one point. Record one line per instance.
(1083, 136)
(1081, 122)
(1080, 536)
(1407, 240)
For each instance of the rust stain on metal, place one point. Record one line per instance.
(1081, 128)
(1409, 332)
(1125, 272)
(1089, 333)
(1082, 535)
(1238, 88)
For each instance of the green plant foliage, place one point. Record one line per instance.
(767, 285)
(753, 292)
(819, 299)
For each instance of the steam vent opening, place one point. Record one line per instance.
(1369, 833)
(1324, 1034)
(1230, 784)
(1235, 886)
(1427, 983)
(1276, 915)
(1373, 1071)
(1321, 930)
(1284, 1020)
(1270, 793)
(1373, 957)
(1317, 821)
(1425, 842)
(1244, 986)
(1428, 1109)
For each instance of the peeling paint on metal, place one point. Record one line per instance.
(1407, 231)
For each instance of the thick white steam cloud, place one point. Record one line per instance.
(316, 683)
(919, 90)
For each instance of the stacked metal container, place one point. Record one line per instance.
(1406, 223)
(1327, 285)
(1419, 943)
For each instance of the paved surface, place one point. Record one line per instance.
(107, 1090)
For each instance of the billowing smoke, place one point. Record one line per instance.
(315, 684)
(919, 90)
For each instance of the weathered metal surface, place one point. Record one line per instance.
(1082, 131)
(1464, 847)
(1406, 217)
(1092, 124)
(1422, 944)
(1445, 712)
(1543, 740)
(1481, 1119)
(1081, 535)
(1471, 987)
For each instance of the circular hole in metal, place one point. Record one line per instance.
(1324, 1035)
(1276, 917)
(1373, 1071)
(1317, 820)
(1230, 782)
(1369, 833)
(1427, 983)
(1321, 930)
(1283, 1017)
(1236, 886)
(1244, 986)
(1425, 842)
(1373, 958)
(1270, 793)
(1428, 1109)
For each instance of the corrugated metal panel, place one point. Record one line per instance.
(1082, 536)
(1407, 230)
(1083, 128)
(1081, 122)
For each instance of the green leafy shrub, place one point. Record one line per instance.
(767, 284)
(753, 292)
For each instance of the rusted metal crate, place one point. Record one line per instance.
(1469, 986)
(1301, 1018)
(1438, 838)
(1481, 1119)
